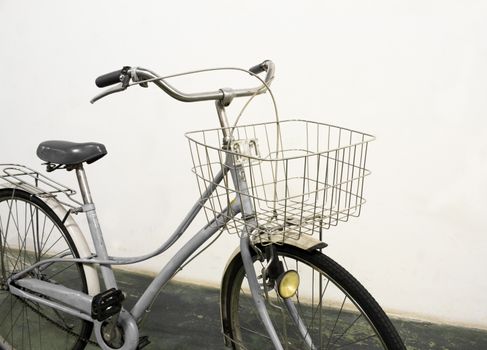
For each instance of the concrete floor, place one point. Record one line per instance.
(186, 316)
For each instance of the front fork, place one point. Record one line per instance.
(248, 214)
(259, 301)
(256, 290)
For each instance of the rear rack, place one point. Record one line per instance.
(30, 180)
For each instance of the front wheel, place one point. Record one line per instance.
(336, 310)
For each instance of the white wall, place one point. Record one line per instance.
(413, 73)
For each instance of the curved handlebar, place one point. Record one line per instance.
(143, 75)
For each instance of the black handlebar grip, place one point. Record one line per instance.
(258, 68)
(111, 78)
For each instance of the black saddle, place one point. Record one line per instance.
(70, 153)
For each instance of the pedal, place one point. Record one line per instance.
(143, 342)
(106, 304)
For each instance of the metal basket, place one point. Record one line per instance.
(303, 176)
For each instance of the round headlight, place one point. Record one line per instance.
(288, 283)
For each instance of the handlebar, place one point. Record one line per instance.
(142, 76)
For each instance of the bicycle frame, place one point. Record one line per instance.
(106, 262)
(79, 304)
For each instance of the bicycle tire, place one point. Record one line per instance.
(29, 232)
(367, 325)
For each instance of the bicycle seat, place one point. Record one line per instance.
(70, 153)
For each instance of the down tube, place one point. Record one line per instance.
(181, 256)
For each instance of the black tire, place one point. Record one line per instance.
(350, 318)
(29, 232)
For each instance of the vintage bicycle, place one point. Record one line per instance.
(275, 185)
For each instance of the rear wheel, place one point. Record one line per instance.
(335, 308)
(30, 232)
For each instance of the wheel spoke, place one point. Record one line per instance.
(52, 245)
(47, 239)
(336, 321)
(255, 332)
(346, 330)
(12, 323)
(60, 271)
(11, 308)
(357, 341)
(28, 329)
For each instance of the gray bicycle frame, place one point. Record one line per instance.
(80, 303)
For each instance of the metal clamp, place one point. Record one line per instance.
(228, 96)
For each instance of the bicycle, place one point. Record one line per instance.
(276, 185)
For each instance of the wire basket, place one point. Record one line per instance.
(302, 176)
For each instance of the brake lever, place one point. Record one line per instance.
(117, 88)
(112, 90)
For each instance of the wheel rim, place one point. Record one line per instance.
(29, 234)
(332, 316)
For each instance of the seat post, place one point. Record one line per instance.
(83, 185)
(95, 229)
